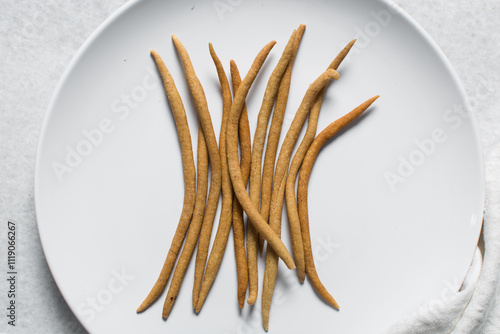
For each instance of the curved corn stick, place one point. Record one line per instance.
(275, 132)
(304, 175)
(238, 224)
(341, 56)
(220, 242)
(292, 136)
(259, 139)
(233, 161)
(200, 101)
(194, 227)
(291, 202)
(189, 170)
(271, 269)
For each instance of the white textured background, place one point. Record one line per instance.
(38, 40)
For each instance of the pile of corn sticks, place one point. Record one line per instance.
(235, 164)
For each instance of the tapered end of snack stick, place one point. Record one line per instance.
(287, 259)
(199, 303)
(265, 324)
(241, 297)
(335, 304)
(289, 263)
(330, 300)
(141, 309)
(364, 106)
(302, 275)
(167, 307)
(201, 299)
(177, 41)
(370, 101)
(144, 306)
(342, 55)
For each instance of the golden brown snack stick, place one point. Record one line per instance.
(259, 139)
(238, 224)
(224, 228)
(194, 227)
(305, 173)
(233, 161)
(296, 242)
(275, 131)
(291, 201)
(271, 269)
(189, 171)
(201, 104)
(292, 136)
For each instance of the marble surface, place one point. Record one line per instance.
(38, 40)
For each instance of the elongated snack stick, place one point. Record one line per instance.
(238, 224)
(271, 269)
(201, 104)
(220, 242)
(304, 175)
(278, 191)
(259, 139)
(194, 227)
(246, 277)
(189, 171)
(233, 161)
(275, 131)
(291, 202)
(292, 136)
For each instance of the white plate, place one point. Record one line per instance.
(396, 200)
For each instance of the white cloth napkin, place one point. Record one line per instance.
(476, 307)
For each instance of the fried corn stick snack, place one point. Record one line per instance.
(194, 227)
(189, 181)
(304, 175)
(238, 223)
(233, 161)
(291, 201)
(220, 242)
(201, 104)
